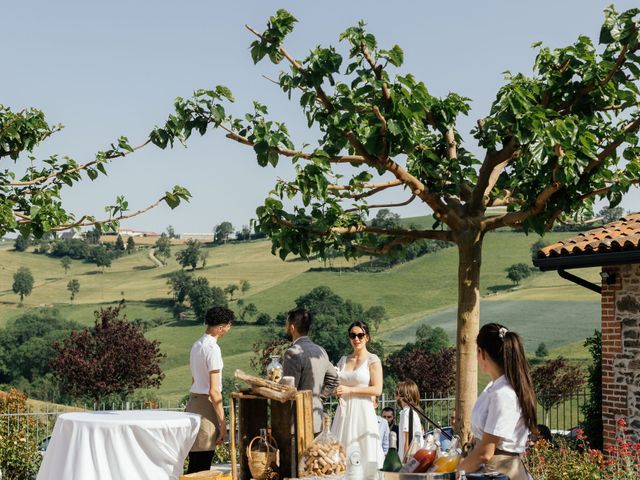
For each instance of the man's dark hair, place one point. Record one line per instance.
(300, 318)
(218, 316)
(388, 409)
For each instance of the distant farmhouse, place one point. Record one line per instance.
(201, 237)
(71, 235)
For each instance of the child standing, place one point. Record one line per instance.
(409, 420)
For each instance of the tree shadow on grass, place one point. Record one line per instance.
(144, 267)
(499, 288)
(93, 272)
(159, 302)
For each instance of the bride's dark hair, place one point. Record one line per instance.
(362, 325)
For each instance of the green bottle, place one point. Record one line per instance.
(392, 461)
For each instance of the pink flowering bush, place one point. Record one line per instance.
(546, 461)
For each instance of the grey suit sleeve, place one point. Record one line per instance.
(292, 367)
(331, 381)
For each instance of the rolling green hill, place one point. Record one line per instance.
(544, 309)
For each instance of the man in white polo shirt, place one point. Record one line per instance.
(206, 389)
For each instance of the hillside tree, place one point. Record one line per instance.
(22, 283)
(21, 244)
(66, 263)
(552, 143)
(245, 286)
(163, 247)
(231, 289)
(190, 255)
(131, 245)
(518, 272)
(102, 257)
(179, 283)
(119, 245)
(202, 297)
(74, 288)
(222, 232)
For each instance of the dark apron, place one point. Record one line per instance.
(206, 439)
(507, 463)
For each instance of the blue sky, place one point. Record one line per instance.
(105, 69)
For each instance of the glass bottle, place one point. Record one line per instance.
(392, 461)
(422, 459)
(414, 446)
(274, 369)
(325, 456)
(263, 455)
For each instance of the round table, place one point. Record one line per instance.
(122, 445)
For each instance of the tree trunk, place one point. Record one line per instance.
(469, 259)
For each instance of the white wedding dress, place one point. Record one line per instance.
(356, 424)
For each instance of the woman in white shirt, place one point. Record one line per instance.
(409, 420)
(206, 389)
(505, 411)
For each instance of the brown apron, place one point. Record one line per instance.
(206, 439)
(507, 463)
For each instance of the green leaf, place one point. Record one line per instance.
(395, 55)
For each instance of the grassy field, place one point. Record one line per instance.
(423, 291)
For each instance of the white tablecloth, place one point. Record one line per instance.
(127, 445)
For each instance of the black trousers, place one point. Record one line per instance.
(200, 461)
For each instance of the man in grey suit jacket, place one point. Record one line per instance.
(308, 363)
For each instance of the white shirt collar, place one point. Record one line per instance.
(498, 382)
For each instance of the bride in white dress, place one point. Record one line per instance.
(356, 424)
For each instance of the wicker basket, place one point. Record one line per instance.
(260, 461)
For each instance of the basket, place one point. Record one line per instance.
(260, 461)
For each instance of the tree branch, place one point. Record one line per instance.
(84, 166)
(516, 218)
(293, 153)
(492, 166)
(83, 223)
(375, 186)
(386, 205)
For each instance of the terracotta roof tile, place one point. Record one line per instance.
(623, 234)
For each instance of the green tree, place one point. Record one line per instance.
(119, 245)
(245, 286)
(518, 272)
(26, 344)
(542, 351)
(551, 144)
(102, 257)
(171, 233)
(611, 214)
(222, 232)
(190, 255)
(263, 319)
(31, 196)
(385, 218)
(93, 236)
(249, 309)
(202, 297)
(66, 263)
(21, 244)
(22, 283)
(538, 245)
(131, 245)
(180, 282)
(74, 287)
(231, 289)
(431, 339)
(163, 247)
(592, 409)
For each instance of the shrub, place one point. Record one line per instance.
(19, 457)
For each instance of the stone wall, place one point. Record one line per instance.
(621, 352)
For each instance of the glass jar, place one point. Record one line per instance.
(274, 369)
(325, 456)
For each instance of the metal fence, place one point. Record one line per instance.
(561, 418)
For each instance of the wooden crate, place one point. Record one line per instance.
(291, 425)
